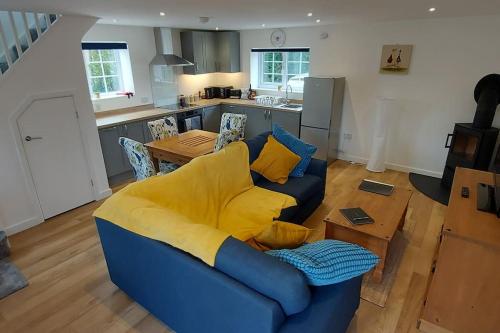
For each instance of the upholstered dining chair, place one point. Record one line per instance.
(233, 122)
(139, 159)
(161, 129)
(225, 138)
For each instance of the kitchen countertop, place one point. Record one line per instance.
(112, 118)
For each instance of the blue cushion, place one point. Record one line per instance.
(299, 147)
(328, 261)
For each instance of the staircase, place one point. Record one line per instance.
(18, 32)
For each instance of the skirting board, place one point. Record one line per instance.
(103, 194)
(391, 166)
(23, 225)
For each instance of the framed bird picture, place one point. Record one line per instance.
(395, 59)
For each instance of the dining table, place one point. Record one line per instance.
(182, 148)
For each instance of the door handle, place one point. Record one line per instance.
(447, 143)
(29, 138)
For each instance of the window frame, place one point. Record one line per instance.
(101, 62)
(284, 65)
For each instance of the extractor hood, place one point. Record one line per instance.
(164, 50)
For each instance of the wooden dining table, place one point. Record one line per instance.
(182, 148)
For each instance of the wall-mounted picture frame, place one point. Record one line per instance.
(395, 59)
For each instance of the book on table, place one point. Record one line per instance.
(356, 216)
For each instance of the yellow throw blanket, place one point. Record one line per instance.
(198, 206)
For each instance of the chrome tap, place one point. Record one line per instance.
(286, 93)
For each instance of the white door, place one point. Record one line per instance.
(54, 150)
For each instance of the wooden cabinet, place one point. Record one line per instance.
(211, 51)
(211, 118)
(464, 294)
(228, 51)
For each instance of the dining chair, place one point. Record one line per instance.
(139, 159)
(161, 129)
(225, 138)
(233, 122)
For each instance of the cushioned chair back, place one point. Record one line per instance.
(233, 122)
(138, 157)
(163, 128)
(225, 138)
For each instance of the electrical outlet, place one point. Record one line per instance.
(347, 136)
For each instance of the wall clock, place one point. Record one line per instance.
(278, 38)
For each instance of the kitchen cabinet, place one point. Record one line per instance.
(228, 51)
(134, 131)
(261, 120)
(289, 121)
(114, 159)
(233, 109)
(211, 118)
(258, 121)
(199, 47)
(210, 52)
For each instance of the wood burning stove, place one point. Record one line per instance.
(470, 147)
(472, 144)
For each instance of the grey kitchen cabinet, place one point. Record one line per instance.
(228, 108)
(258, 121)
(289, 121)
(134, 131)
(211, 118)
(210, 52)
(199, 48)
(114, 158)
(228, 51)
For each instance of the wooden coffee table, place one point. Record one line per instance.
(182, 148)
(388, 212)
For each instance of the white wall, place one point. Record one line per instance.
(54, 64)
(449, 57)
(141, 45)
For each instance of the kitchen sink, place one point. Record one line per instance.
(291, 106)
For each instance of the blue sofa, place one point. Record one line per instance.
(309, 191)
(247, 291)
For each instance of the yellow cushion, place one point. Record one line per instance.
(281, 235)
(275, 161)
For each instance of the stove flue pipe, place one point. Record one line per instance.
(487, 96)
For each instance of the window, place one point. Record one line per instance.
(108, 68)
(283, 68)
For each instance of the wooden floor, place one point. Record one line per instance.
(70, 291)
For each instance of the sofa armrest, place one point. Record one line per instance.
(264, 274)
(181, 290)
(317, 168)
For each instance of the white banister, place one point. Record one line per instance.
(37, 22)
(16, 35)
(20, 25)
(5, 46)
(27, 29)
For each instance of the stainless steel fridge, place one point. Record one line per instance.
(321, 114)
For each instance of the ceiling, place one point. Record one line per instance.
(251, 14)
